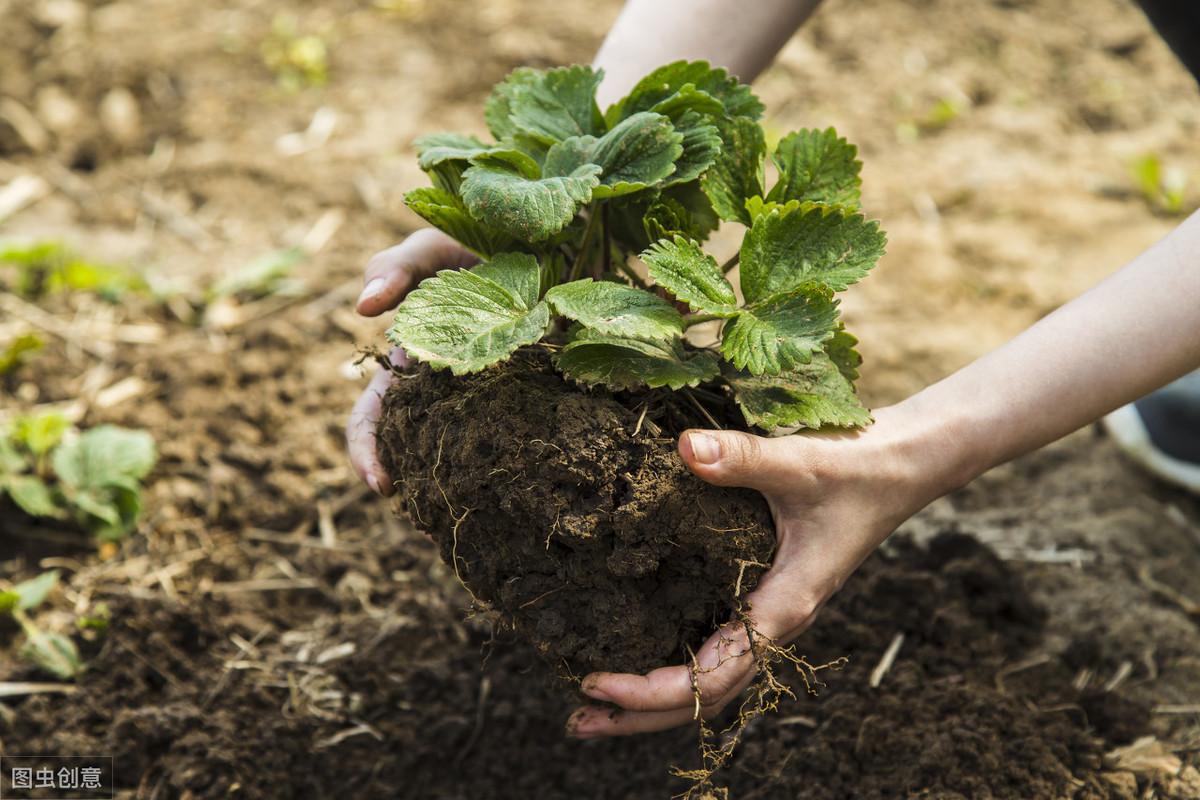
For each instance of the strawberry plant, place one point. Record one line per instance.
(90, 478)
(566, 196)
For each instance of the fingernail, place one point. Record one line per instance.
(373, 482)
(705, 448)
(572, 727)
(373, 287)
(591, 689)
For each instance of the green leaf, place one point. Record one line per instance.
(819, 166)
(18, 351)
(437, 148)
(636, 221)
(33, 592)
(498, 109)
(682, 268)
(530, 210)
(8, 601)
(10, 460)
(54, 653)
(622, 362)
(666, 81)
(701, 147)
(615, 309)
(32, 495)
(689, 99)
(105, 456)
(737, 173)
(814, 395)
(42, 433)
(639, 152)
(465, 320)
(449, 214)
(779, 332)
(790, 246)
(261, 277)
(841, 352)
(548, 106)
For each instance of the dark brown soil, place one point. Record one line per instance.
(586, 534)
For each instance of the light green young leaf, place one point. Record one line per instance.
(31, 494)
(638, 220)
(33, 592)
(682, 268)
(449, 214)
(530, 210)
(841, 352)
(778, 333)
(622, 362)
(663, 83)
(549, 106)
(737, 173)
(794, 245)
(41, 433)
(54, 653)
(263, 276)
(105, 456)
(813, 395)
(638, 152)
(819, 166)
(445, 156)
(10, 460)
(465, 320)
(18, 351)
(615, 309)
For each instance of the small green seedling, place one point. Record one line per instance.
(52, 652)
(1162, 188)
(297, 60)
(18, 351)
(48, 267)
(92, 478)
(567, 194)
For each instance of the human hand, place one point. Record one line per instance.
(390, 275)
(834, 499)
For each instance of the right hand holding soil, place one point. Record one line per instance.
(390, 275)
(835, 498)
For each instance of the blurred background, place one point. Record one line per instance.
(189, 191)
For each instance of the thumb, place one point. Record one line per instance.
(734, 458)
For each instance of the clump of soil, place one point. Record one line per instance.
(561, 509)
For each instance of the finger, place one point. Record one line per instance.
(392, 273)
(360, 429)
(733, 458)
(592, 722)
(721, 664)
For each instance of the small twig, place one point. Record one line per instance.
(1123, 672)
(485, 689)
(1169, 593)
(1193, 708)
(885, 663)
(702, 410)
(731, 263)
(264, 585)
(20, 688)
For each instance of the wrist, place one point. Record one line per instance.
(928, 451)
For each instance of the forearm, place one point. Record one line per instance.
(1131, 334)
(743, 37)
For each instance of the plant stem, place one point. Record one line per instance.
(607, 252)
(593, 217)
(731, 263)
(696, 319)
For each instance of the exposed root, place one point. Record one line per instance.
(765, 693)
